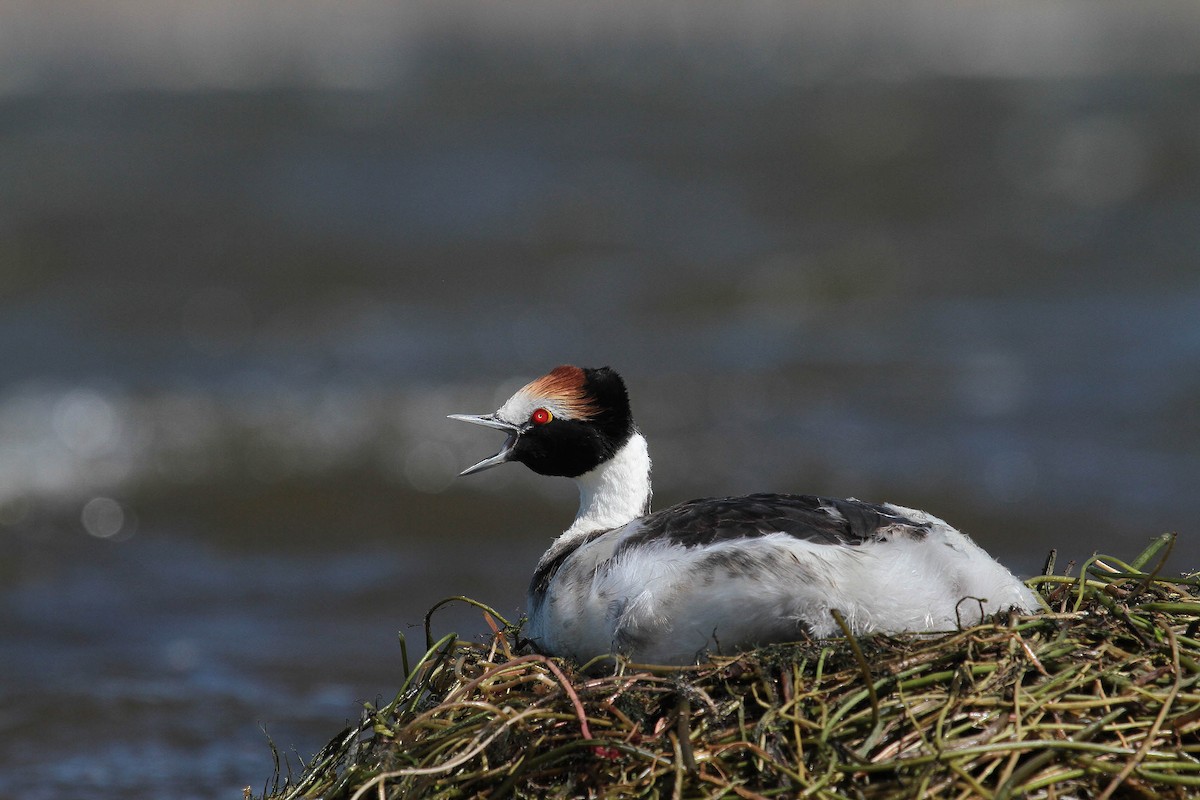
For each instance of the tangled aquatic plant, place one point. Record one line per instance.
(1095, 697)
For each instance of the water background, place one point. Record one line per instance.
(251, 257)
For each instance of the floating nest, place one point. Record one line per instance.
(1097, 697)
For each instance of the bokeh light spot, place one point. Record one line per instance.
(103, 518)
(85, 422)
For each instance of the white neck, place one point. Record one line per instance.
(614, 493)
(617, 491)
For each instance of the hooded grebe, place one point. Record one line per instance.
(719, 574)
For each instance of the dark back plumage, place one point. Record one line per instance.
(697, 523)
(821, 520)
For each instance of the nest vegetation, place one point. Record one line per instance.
(1096, 697)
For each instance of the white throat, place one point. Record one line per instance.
(615, 492)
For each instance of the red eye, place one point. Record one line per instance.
(541, 416)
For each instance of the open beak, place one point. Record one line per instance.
(490, 421)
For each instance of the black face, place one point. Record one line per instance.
(571, 447)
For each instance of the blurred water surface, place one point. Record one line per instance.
(250, 259)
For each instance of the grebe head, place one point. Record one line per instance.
(567, 422)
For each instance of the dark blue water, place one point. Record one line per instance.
(235, 310)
